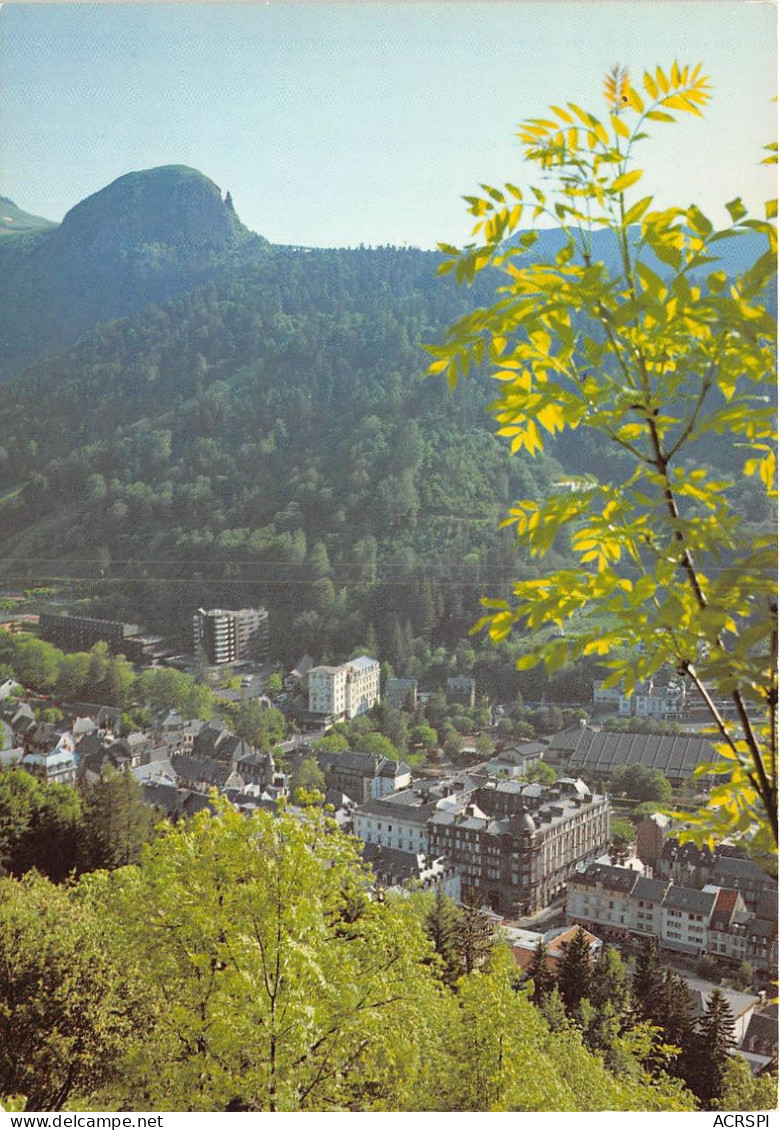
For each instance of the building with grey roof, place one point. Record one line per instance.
(597, 752)
(516, 848)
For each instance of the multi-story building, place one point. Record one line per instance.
(646, 700)
(80, 633)
(55, 766)
(619, 902)
(224, 636)
(364, 776)
(516, 846)
(462, 690)
(400, 820)
(343, 692)
(401, 693)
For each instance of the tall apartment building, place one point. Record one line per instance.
(516, 845)
(345, 691)
(223, 636)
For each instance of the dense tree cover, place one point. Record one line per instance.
(99, 677)
(269, 438)
(638, 782)
(641, 1025)
(41, 826)
(241, 965)
(653, 350)
(60, 830)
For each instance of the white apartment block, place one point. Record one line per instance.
(344, 692)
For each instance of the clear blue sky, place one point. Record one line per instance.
(338, 124)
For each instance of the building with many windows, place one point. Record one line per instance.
(343, 692)
(223, 636)
(516, 845)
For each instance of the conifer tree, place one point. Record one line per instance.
(540, 974)
(474, 933)
(710, 1048)
(442, 926)
(647, 980)
(574, 973)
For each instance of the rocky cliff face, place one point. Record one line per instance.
(173, 206)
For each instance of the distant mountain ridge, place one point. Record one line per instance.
(14, 221)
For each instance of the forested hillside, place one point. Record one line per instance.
(258, 431)
(270, 438)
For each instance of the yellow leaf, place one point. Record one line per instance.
(619, 126)
(650, 85)
(626, 180)
(634, 101)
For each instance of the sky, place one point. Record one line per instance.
(340, 124)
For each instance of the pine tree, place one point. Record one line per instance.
(540, 974)
(609, 983)
(474, 933)
(441, 925)
(574, 972)
(647, 980)
(710, 1048)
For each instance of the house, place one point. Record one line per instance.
(685, 917)
(514, 760)
(155, 772)
(202, 775)
(399, 821)
(461, 690)
(651, 833)
(742, 1005)
(759, 1043)
(363, 776)
(646, 700)
(299, 673)
(401, 693)
(523, 944)
(415, 871)
(56, 766)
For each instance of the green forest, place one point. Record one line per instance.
(243, 965)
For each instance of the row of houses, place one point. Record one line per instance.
(714, 921)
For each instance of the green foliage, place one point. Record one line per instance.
(741, 1091)
(442, 922)
(710, 1051)
(540, 975)
(66, 1007)
(278, 985)
(116, 822)
(638, 782)
(274, 684)
(259, 725)
(40, 825)
(543, 773)
(574, 971)
(652, 347)
(307, 778)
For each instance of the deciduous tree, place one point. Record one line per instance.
(634, 332)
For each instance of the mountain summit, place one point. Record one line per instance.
(172, 206)
(144, 238)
